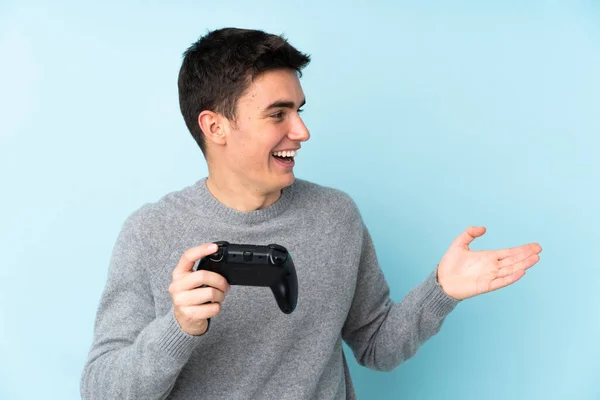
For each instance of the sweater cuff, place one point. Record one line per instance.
(435, 299)
(174, 341)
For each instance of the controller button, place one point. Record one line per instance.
(217, 257)
(277, 247)
(278, 257)
(247, 256)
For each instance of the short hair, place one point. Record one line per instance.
(219, 67)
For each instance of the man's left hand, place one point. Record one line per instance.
(464, 273)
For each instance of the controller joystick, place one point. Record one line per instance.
(218, 255)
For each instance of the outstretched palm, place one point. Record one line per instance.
(464, 273)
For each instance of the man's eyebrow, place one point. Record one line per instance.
(283, 104)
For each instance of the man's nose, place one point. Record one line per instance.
(299, 131)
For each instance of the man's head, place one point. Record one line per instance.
(240, 97)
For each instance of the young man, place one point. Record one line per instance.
(241, 97)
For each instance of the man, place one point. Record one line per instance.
(241, 97)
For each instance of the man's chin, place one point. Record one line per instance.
(289, 179)
(276, 180)
(281, 182)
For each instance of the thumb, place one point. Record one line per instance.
(468, 236)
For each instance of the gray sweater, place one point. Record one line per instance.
(252, 350)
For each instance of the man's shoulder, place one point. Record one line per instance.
(325, 198)
(321, 191)
(163, 216)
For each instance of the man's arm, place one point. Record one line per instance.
(381, 333)
(134, 354)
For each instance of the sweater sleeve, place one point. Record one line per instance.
(134, 353)
(382, 333)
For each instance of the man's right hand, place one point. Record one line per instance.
(194, 304)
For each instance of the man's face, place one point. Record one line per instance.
(267, 121)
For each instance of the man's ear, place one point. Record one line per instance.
(213, 126)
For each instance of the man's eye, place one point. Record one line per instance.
(278, 115)
(300, 110)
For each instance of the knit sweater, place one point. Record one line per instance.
(252, 350)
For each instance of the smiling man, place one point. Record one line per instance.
(164, 330)
(251, 158)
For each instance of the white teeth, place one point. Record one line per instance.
(290, 153)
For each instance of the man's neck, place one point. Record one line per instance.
(239, 195)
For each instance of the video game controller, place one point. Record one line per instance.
(256, 265)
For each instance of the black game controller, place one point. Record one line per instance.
(255, 265)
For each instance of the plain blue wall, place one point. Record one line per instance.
(432, 116)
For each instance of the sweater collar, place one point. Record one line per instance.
(230, 215)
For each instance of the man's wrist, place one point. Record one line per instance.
(437, 281)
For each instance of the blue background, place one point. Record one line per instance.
(433, 116)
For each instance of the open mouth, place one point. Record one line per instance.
(285, 157)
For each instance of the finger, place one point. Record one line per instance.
(468, 236)
(198, 297)
(518, 266)
(519, 254)
(525, 249)
(190, 256)
(499, 283)
(199, 312)
(202, 277)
